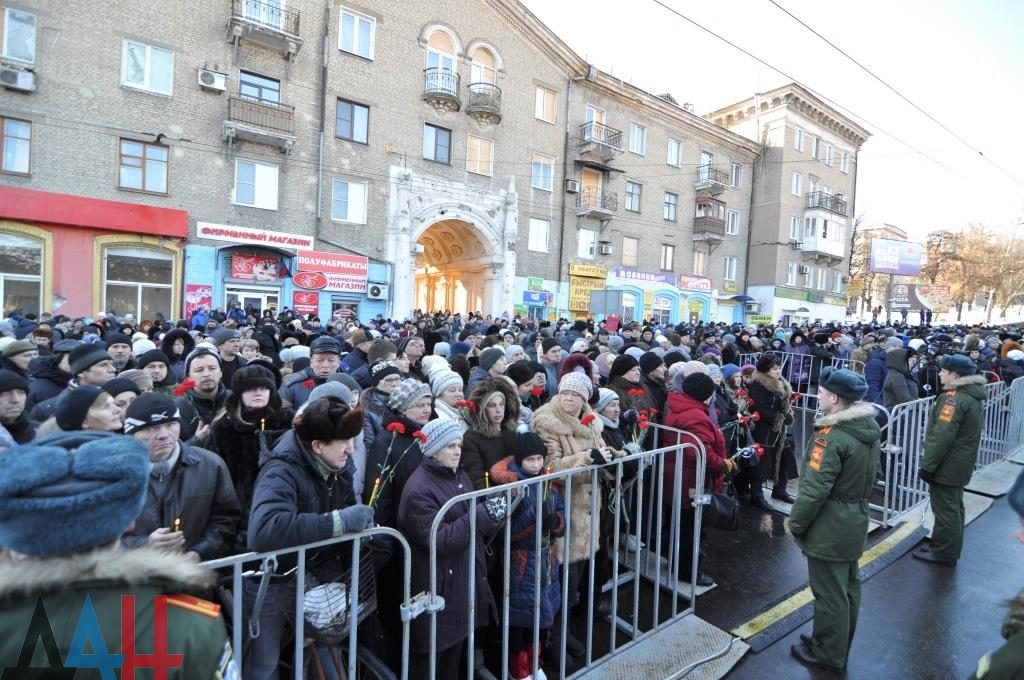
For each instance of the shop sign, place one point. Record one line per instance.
(305, 302)
(256, 237)
(534, 283)
(624, 274)
(584, 278)
(688, 282)
(535, 298)
(197, 295)
(728, 286)
(663, 302)
(311, 280)
(343, 272)
(590, 270)
(255, 267)
(696, 306)
(760, 319)
(520, 310)
(648, 304)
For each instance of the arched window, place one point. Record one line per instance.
(138, 281)
(441, 52)
(21, 273)
(482, 67)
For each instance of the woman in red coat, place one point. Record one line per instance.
(687, 410)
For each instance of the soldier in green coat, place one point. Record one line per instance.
(829, 520)
(950, 452)
(71, 597)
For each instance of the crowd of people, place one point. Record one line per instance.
(274, 432)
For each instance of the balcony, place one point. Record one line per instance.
(601, 141)
(823, 250)
(267, 24)
(708, 229)
(484, 103)
(260, 121)
(831, 202)
(596, 203)
(710, 178)
(441, 89)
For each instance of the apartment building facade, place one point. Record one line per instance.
(803, 203)
(351, 158)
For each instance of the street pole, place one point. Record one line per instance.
(888, 302)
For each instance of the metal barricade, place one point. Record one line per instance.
(355, 601)
(994, 445)
(1015, 428)
(903, 490)
(638, 478)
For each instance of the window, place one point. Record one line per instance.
(142, 167)
(629, 307)
(539, 231)
(675, 152)
(729, 268)
(437, 143)
(543, 172)
(441, 58)
(704, 170)
(19, 35)
(348, 201)
(815, 147)
(700, 263)
(147, 68)
(671, 201)
(794, 228)
(837, 283)
(633, 196)
(824, 229)
(481, 68)
(637, 138)
(798, 140)
(668, 257)
(734, 175)
(16, 145)
(822, 279)
(630, 251)
(812, 184)
(808, 276)
(257, 88)
(844, 162)
(352, 122)
(255, 185)
(810, 227)
(828, 155)
(732, 222)
(791, 273)
(544, 105)
(797, 184)
(586, 241)
(21, 273)
(138, 281)
(479, 155)
(661, 311)
(356, 33)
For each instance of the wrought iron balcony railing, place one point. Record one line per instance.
(831, 202)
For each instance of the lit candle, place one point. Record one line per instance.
(263, 424)
(177, 524)
(373, 494)
(547, 482)
(487, 480)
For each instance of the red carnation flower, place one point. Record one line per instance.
(654, 411)
(756, 416)
(467, 404)
(418, 434)
(309, 383)
(750, 402)
(587, 419)
(643, 424)
(635, 392)
(184, 387)
(759, 450)
(537, 390)
(741, 392)
(796, 396)
(396, 427)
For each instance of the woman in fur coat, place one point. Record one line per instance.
(492, 428)
(772, 397)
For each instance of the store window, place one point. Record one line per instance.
(628, 307)
(662, 313)
(138, 281)
(21, 273)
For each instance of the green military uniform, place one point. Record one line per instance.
(950, 452)
(194, 627)
(829, 522)
(1007, 662)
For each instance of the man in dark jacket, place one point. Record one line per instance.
(324, 359)
(13, 392)
(829, 520)
(90, 365)
(49, 376)
(228, 343)
(950, 452)
(360, 342)
(191, 505)
(200, 403)
(820, 356)
(875, 370)
(652, 370)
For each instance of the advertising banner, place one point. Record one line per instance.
(197, 295)
(895, 257)
(535, 298)
(652, 277)
(919, 297)
(305, 302)
(534, 283)
(342, 272)
(688, 282)
(584, 278)
(256, 237)
(255, 267)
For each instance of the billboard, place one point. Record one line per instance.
(255, 267)
(920, 297)
(902, 258)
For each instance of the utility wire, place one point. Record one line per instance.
(898, 93)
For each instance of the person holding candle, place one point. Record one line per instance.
(493, 418)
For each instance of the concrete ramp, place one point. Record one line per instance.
(677, 650)
(995, 480)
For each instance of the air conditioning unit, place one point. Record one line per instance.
(804, 269)
(16, 79)
(606, 248)
(377, 291)
(753, 307)
(572, 186)
(213, 81)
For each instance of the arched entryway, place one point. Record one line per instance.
(455, 270)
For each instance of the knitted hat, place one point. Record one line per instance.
(547, 344)
(139, 377)
(9, 380)
(458, 348)
(729, 370)
(512, 350)
(432, 363)
(604, 397)
(18, 347)
(714, 370)
(222, 335)
(635, 351)
(250, 377)
(70, 492)
(615, 342)
(577, 382)
(747, 369)
(359, 336)
(199, 352)
(406, 394)
(118, 339)
(892, 342)
(120, 385)
(442, 380)
(381, 370)
(649, 362)
(844, 383)
(442, 349)
(490, 356)
(579, 345)
(698, 386)
(73, 407)
(331, 388)
(691, 367)
(440, 433)
(154, 356)
(65, 346)
(149, 409)
(85, 356)
(528, 444)
(766, 361)
(959, 364)
(140, 347)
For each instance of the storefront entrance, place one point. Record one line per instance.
(254, 299)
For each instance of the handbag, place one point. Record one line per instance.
(722, 512)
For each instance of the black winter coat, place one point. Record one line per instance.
(197, 411)
(23, 430)
(430, 487)
(820, 358)
(402, 458)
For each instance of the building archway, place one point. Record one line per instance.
(455, 270)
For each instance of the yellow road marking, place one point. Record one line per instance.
(802, 597)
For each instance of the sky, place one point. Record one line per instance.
(961, 62)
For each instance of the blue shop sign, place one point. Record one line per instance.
(535, 298)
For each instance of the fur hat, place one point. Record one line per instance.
(73, 407)
(490, 356)
(699, 386)
(844, 383)
(150, 409)
(577, 382)
(442, 380)
(522, 371)
(622, 365)
(406, 394)
(328, 419)
(440, 433)
(380, 350)
(528, 444)
(9, 380)
(69, 493)
(250, 377)
(959, 364)
(381, 370)
(649, 362)
(85, 356)
(766, 361)
(457, 348)
(139, 377)
(605, 397)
